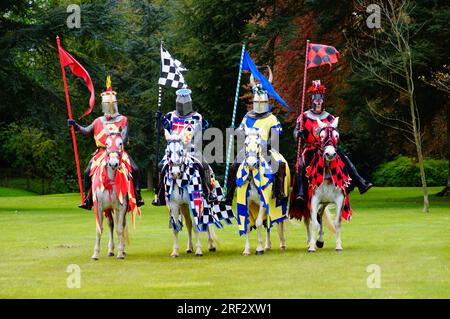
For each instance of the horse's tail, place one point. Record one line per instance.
(213, 234)
(329, 221)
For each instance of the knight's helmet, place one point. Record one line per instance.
(260, 96)
(109, 100)
(183, 102)
(317, 91)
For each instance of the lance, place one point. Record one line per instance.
(236, 97)
(301, 108)
(72, 130)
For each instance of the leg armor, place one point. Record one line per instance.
(135, 173)
(360, 182)
(160, 196)
(206, 182)
(87, 181)
(231, 183)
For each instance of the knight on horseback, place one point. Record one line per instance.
(267, 124)
(309, 137)
(191, 123)
(112, 120)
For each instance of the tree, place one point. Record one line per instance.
(441, 81)
(385, 56)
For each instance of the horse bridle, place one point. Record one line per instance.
(329, 140)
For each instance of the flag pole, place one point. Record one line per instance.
(297, 164)
(236, 97)
(72, 130)
(158, 137)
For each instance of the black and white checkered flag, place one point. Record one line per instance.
(171, 71)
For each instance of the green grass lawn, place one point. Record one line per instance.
(42, 235)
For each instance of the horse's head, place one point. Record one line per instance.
(252, 147)
(175, 153)
(329, 139)
(114, 149)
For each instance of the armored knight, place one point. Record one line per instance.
(112, 120)
(191, 123)
(311, 140)
(267, 124)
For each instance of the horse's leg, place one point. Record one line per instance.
(319, 242)
(259, 226)
(268, 243)
(280, 230)
(120, 228)
(198, 244)
(188, 220)
(175, 211)
(111, 236)
(247, 243)
(210, 235)
(315, 223)
(308, 229)
(99, 235)
(337, 221)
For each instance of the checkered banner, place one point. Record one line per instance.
(171, 71)
(320, 54)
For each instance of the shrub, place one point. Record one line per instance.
(404, 171)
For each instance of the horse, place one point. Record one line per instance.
(113, 193)
(181, 171)
(329, 190)
(256, 207)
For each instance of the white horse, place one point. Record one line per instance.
(178, 160)
(253, 158)
(107, 201)
(326, 193)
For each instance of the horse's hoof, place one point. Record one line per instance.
(267, 249)
(110, 254)
(173, 255)
(120, 257)
(319, 244)
(282, 247)
(198, 255)
(188, 251)
(259, 252)
(94, 258)
(311, 250)
(245, 254)
(212, 249)
(338, 249)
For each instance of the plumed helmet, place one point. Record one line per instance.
(109, 99)
(317, 91)
(183, 102)
(260, 96)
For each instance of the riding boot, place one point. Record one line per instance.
(231, 186)
(206, 183)
(88, 202)
(301, 182)
(279, 184)
(360, 182)
(137, 194)
(160, 198)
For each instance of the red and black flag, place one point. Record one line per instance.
(319, 54)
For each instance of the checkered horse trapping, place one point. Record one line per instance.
(190, 185)
(171, 71)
